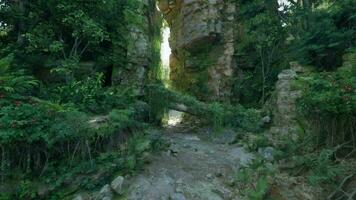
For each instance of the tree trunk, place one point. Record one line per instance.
(21, 23)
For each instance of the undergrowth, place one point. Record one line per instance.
(315, 167)
(328, 103)
(63, 180)
(55, 138)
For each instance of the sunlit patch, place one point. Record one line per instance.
(174, 118)
(282, 4)
(165, 54)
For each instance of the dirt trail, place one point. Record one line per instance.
(193, 168)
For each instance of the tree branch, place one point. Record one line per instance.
(84, 49)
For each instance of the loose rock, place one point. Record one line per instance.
(105, 193)
(177, 196)
(267, 153)
(116, 184)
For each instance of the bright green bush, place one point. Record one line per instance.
(89, 95)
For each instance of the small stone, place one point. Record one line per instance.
(296, 67)
(230, 181)
(105, 193)
(78, 197)
(179, 189)
(177, 196)
(227, 136)
(43, 191)
(146, 156)
(267, 153)
(179, 181)
(116, 184)
(266, 120)
(219, 174)
(287, 74)
(209, 176)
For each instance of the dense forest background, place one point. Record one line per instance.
(71, 84)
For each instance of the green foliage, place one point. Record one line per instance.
(56, 62)
(83, 92)
(323, 168)
(319, 165)
(11, 82)
(26, 190)
(122, 119)
(58, 56)
(329, 94)
(323, 34)
(329, 101)
(59, 36)
(254, 141)
(254, 181)
(259, 51)
(63, 179)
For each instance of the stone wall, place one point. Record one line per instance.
(202, 43)
(142, 34)
(282, 105)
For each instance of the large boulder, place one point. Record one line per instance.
(202, 42)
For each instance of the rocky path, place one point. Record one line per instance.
(193, 168)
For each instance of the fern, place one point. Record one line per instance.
(14, 82)
(5, 64)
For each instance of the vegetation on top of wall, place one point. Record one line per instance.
(329, 101)
(322, 32)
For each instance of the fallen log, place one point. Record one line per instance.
(216, 113)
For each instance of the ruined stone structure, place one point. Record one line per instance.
(282, 105)
(202, 43)
(143, 33)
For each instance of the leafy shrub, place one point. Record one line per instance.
(323, 168)
(32, 133)
(329, 102)
(13, 83)
(260, 51)
(46, 139)
(26, 190)
(35, 133)
(318, 165)
(90, 96)
(127, 159)
(254, 181)
(324, 33)
(83, 93)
